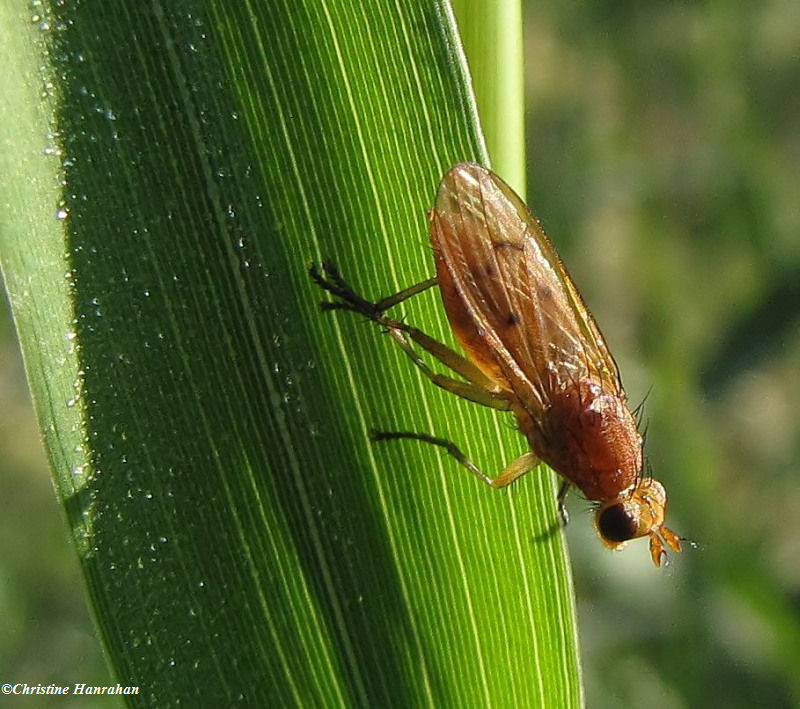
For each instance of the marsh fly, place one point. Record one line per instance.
(532, 348)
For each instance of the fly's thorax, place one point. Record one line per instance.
(589, 436)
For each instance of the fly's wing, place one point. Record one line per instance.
(509, 298)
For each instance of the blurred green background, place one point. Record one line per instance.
(664, 162)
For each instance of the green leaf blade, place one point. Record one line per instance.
(241, 538)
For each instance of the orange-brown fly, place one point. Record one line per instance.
(532, 348)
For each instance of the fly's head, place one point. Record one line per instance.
(637, 512)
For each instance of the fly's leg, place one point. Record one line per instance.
(561, 499)
(466, 390)
(350, 300)
(478, 387)
(508, 475)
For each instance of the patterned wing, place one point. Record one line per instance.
(511, 302)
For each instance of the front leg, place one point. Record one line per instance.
(478, 388)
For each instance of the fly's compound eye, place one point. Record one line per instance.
(640, 512)
(617, 524)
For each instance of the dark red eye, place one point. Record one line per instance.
(616, 524)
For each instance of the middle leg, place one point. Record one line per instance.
(515, 469)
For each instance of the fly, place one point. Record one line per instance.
(532, 348)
